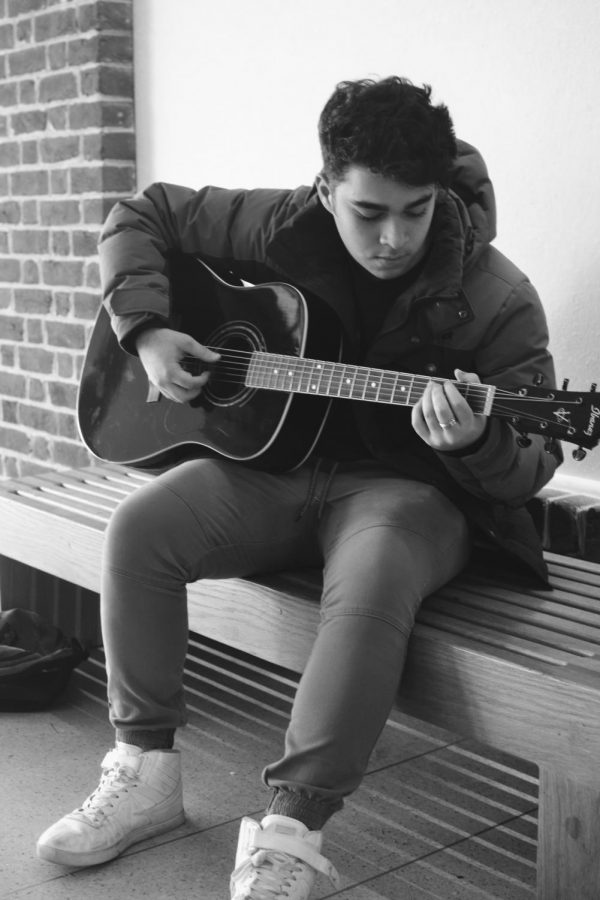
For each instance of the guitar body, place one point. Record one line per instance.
(268, 429)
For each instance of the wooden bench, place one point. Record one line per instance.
(516, 668)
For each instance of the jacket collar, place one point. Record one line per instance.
(308, 251)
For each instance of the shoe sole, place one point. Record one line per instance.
(94, 858)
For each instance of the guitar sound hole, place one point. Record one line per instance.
(235, 341)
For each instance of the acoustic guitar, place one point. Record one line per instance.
(267, 398)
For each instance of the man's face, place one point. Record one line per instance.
(383, 224)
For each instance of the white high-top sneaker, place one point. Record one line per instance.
(139, 795)
(278, 859)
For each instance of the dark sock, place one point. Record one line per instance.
(312, 813)
(158, 739)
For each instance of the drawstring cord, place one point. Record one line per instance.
(311, 488)
(331, 468)
(326, 487)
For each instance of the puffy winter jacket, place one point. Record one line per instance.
(470, 308)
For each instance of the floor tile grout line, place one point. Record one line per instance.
(137, 850)
(428, 854)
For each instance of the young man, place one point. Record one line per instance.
(393, 240)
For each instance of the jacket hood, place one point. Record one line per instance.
(472, 186)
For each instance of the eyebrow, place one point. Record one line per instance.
(367, 204)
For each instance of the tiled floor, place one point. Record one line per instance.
(436, 817)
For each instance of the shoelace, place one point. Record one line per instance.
(275, 873)
(115, 780)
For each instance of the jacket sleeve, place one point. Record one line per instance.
(140, 233)
(513, 353)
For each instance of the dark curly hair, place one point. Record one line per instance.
(390, 127)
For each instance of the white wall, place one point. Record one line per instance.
(229, 91)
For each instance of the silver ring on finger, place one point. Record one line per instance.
(449, 424)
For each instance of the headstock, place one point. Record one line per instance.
(571, 416)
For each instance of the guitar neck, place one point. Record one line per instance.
(291, 374)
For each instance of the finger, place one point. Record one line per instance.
(194, 348)
(188, 382)
(428, 409)
(418, 420)
(467, 377)
(456, 402)
(178, 394)
(459, 398)
(445, 413)
(181, 387)
(171, 393)
(193, 373)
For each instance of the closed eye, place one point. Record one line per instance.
(371, 218)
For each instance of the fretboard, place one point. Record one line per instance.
(276, 372)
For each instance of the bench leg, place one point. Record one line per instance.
(568, 863)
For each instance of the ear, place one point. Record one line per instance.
(325, 192)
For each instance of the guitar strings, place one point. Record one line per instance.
(241, 358)
(238, 369)
(234, 365)
(263, 366)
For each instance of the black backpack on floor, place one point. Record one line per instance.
(36, 660)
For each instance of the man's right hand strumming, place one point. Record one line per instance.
(162, 352)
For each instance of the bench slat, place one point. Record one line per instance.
(96, 487)
(488, 615)
(492, 636)
(558, 617)
(586, 596)
(60, 505)
(572, 566)
(62, 542)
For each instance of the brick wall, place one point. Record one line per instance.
(67, 153)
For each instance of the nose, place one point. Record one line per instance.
(393, 234)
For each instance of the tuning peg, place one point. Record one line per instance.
(593, 387)
(579, 453)
(538, 379)
(524, 440)
(550, 445)
(565, 384)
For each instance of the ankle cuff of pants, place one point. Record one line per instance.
(158, 739)
(311, 812)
